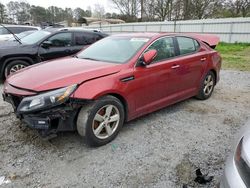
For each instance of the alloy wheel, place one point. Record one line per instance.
(106, 121)
(208, 84)
(16, 68)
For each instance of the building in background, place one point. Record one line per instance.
(85, 21)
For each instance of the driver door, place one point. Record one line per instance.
(155, 82)
(56, 46)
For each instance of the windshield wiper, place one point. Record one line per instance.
(16, 37)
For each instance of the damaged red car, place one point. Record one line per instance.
(113, 81)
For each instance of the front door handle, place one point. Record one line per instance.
(175, 66)
(203, 59)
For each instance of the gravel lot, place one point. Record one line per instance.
(162, 149)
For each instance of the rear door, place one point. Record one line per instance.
(61, 45)
(191, 63)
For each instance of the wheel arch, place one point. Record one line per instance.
(122, 99)
(215, 74)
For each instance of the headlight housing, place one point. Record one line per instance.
(46, 100)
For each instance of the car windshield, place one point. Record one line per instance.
(114, 49)
(35, 37)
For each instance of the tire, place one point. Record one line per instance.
(15, 65)
(207, 86)
(100, 122)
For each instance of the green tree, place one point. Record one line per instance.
(23, 12)
(3, 14)
(78, 13)
(38, 14)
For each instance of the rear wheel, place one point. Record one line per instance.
(101, 121)
(14, 66)
(207, 86)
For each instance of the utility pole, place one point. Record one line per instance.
(142, 10)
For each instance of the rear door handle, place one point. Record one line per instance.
(203, 59)
(175, 66)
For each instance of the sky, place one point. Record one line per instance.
(109, 7)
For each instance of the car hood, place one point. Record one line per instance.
(60, 73)
(4, 44)
(7, 45)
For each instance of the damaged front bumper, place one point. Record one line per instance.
(48, 121)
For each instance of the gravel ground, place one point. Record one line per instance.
(162, 149)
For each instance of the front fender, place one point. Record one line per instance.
(110, 85)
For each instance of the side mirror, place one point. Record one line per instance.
(148, 57)
(46, 44)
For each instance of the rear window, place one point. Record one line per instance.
(15, 30)
(187, 45)
(3, 31)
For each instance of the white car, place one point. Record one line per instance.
(16, 29)
(237, 170)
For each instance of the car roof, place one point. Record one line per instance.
(211, 40)
(56, 29)
(146, 34)
(27, 26)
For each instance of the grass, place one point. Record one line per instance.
(235, 56)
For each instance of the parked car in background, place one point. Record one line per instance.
(237, 169)
(44, 45)
(21, 35)
(16, 29)
(114, 80)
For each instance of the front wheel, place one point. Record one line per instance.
(207, 86)
(101, 121)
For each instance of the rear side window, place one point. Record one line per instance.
(18, 30)
(86, 38)
(164, 47)
(187, 45)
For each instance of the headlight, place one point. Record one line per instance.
(46, 100)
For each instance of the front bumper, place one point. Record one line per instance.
(56, 119)
(231, 178)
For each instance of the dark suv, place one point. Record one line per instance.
(44, 45)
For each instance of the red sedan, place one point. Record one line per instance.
(113, 81)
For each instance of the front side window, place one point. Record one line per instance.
(114, 49)
(61, 40)
(186, 45)
(164, 47)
